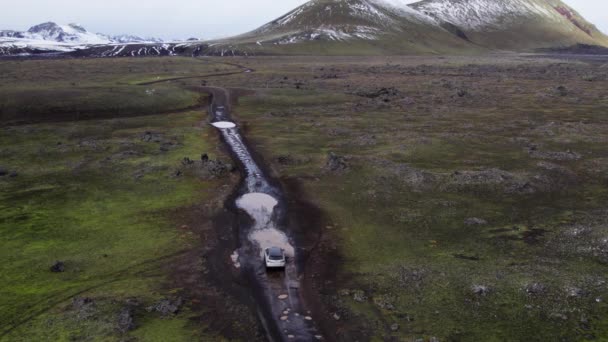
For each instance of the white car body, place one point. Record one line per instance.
(274, 257)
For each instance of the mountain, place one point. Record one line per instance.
(440, 26)
(51, 37)
(514, 24)
(347, 26)
(352, 27)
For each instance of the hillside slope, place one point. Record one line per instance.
(514, 24)
(352, 26)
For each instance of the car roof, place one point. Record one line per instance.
(275, 251)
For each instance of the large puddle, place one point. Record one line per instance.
(264, 234)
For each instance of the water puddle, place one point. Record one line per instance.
(223, 124)
(260, 208)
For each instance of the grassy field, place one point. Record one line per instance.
(104, 197)
(52, 90)
(473, 206)
(467, 203)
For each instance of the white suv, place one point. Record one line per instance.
(274, 257)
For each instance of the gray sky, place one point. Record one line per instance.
(184, 18)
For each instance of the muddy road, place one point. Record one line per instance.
(279, 302)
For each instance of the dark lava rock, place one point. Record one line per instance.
(561, 91)
(84, 307)
(359, 296)
(559, 156)
(285, 160)
(187, 161)
(167, 306)
(462, 93)
(575, 292)
(204, 157)
(126, 320)
(176, 173)
(217, 168)
(474, 221)
(152, 137)
(536, 289)
(336, 163)
(480, 290)
(3, 171)
(58, 267)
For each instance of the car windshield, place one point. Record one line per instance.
(275, 254)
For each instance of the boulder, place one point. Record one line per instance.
(58, 267)
(167, 306)
(336, 163)
(474, 221)
(125, 320)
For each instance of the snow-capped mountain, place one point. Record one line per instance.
(321, 27)
(514, 24)
(442, 26)
(51, 37)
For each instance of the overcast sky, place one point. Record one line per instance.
(171, 19)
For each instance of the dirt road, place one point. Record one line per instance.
(280, 304)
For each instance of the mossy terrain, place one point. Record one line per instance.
(109, 197)
(76, 89)
(469, 200)
(464, 197)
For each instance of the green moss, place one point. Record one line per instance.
(81, 203)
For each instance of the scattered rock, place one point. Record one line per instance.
(216, 168)
(284, 318)
(385, 302)
(462, 93)
(58, 267)
(575, 292)
(561, 91)
(187, 161)
(204, 157)
(383, 93)
(126, 320)
(84, 307)
(336, 316)
(285, 160)
(359, 296)
(557, 156)
(336, 163)
(3, 171)
(394, 327)
(13, 174)
(152, 137)
(535, 289)
(283, 297)
(480, 290)
(167, 306)
(474, 221)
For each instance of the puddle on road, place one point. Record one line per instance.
(223, 124)
(271, 237)
(260, 208)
